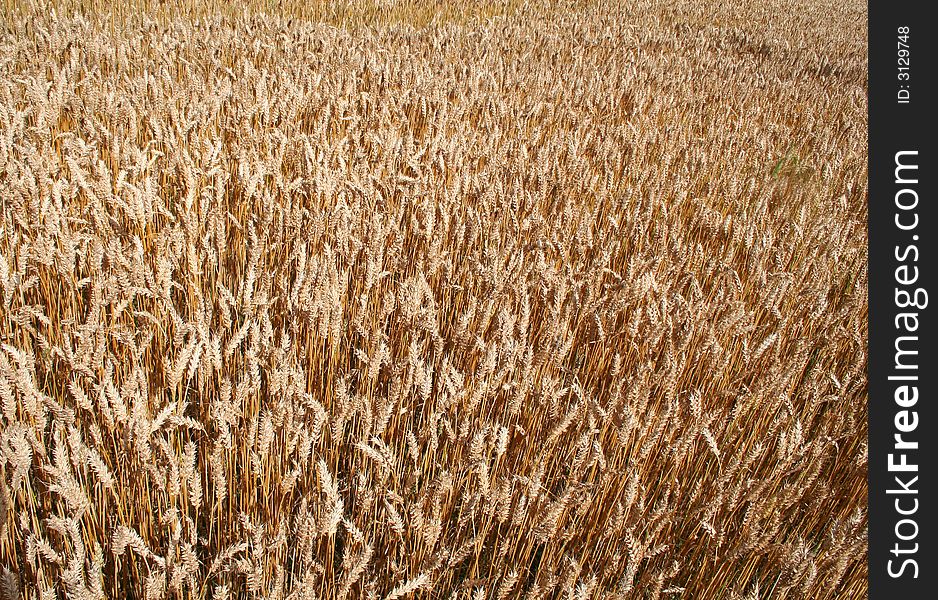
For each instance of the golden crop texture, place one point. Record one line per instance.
(380, 300)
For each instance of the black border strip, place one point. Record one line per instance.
(902, 267)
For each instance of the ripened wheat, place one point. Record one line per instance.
(490, 300)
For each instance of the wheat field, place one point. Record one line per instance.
(385, 300)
